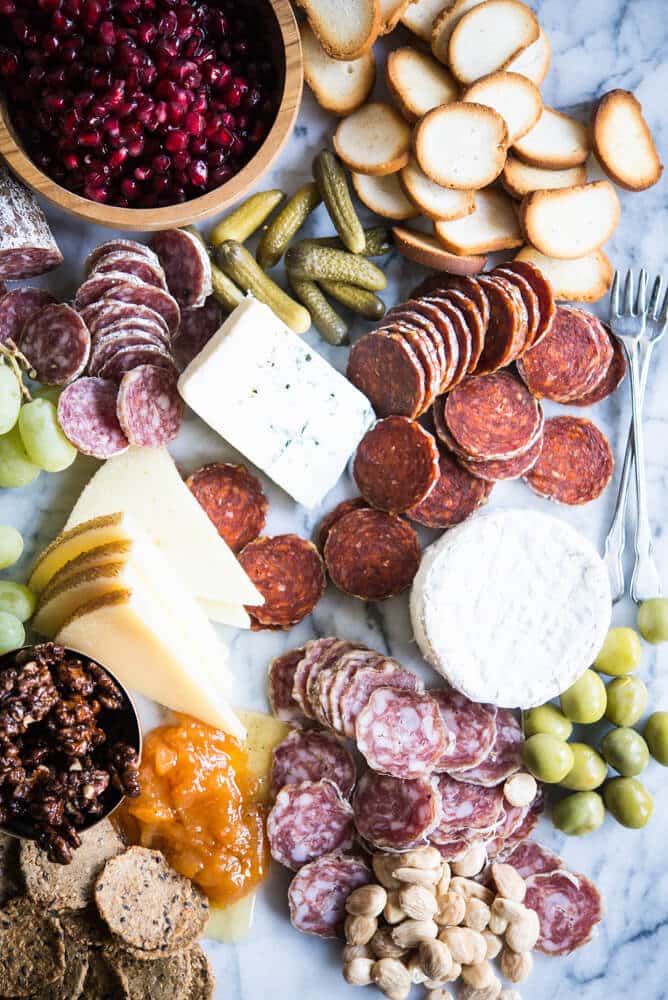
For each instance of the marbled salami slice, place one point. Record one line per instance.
(568, 907)
(473, 725)
(364, 682)
(396, 464)
(465, 807)
(100, 316)
(528, 823)
(115, 353)
(372, 555)
(385, 368)
(308, 820)
(392, 814)
(118, 246)
(142, 294)
(400, 732)
(149, 407)
(569, 361)
(318, 654)
(312, 756)
(289, 573)
(505, 757)
(27, 246)
(456, 495)
(131, 263)
(531, 858)
(492, 416)
(56, 342)
(329, 520)
(543, 290)
(18, 307)
(343, 672)
(88, 418)
(158, 331)
(318, 893)
(196, 330)
(186, 264)
(280, 680)
(96, 287)
(575, 464)
(510, 820)
(233, 498)
(612, 379)
(458, 847)
(325, 667)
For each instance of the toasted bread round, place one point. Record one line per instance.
(339, 86)
(533, 62)
(488, 37)
(517, 100)
(419, 17)
(555, 142)
(623, 142)
(346, 29)
(445, 23)
(384, 196)
(373, 140)
(570, 222)
(434, 201)
(426, 250)
(492, 226)
(519, 178)
(391, 12)
(586, 279)
(418, 82)
(461, 145)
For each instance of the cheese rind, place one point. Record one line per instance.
(277, 401)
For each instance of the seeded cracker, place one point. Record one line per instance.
(69, 887)
(10, 876)
(103, 981)
(163, 979)
(70, 987)
(202, 981)
(147, 904)
(32, 952)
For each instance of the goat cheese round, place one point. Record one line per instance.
(511, 607)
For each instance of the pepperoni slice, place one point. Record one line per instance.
(233, 499)
(308, 820)
(88, 418)
(385, 368)
(460, 282)
(505, 757)
(288, 572)
(392, 814)
(401, 733)
(531, 858)
(396, 464)
(504, 468)
(494, 416)
(465, 807)
(575, 464)
(462, 334)
(529, 298)
(56, 342)
(568, 907)
(329, 520)
(196, 329)
(386, 674)
(612, 379)
(311, 756)
(456, 495)
(18, 307)
(473, 318)
(149, 407)
(543, 291)
(522, 330)
(280, 680)
(318, 894)
(568, 362)
(186, 264)
(417, 311)
(502, 333)
(372, 555)
(473, 725)
(413, 331)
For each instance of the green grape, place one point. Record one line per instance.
(11, 545)
(12, 633)
(10, 398)
(16, 469)
(17, 600)
(50, 392)
(42, 437)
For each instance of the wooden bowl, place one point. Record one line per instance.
(287, 54)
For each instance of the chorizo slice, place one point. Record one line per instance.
(575, 464)
(396, 464)
(233, 499)
(385, 368)
(289, 573)
(456, 495)
(493, 416)
(372, 555)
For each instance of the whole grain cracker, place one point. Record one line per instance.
(32, 950)
(162, 979)
(70, 987)
(10, 874)
(85, 926)
(202, 981)
(103, 981)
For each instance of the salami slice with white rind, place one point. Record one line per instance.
(318, 654)
(132, 263)
(465, 807)
(568, 907)
(308, 820)
(394, 815)
(56, 342)
(27, 246)
(186, 264)
(458, 847)
(116, 246)
(318, 893)
(19, 306)
(99, 316)
(98, 285)
(87, 416)
(333, 680)
(312, 756)
(105, 348)
(505, 756)
(473, 725)
(510, 820)
(531, 858)
(401, 733)
(330, 658)
(142, 294)
(280, 680)
(131, 356)
(196, 330)
(149, 407)
(364, 682)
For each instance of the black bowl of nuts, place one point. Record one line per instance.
(70, 745)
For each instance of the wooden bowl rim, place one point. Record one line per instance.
(197, 209)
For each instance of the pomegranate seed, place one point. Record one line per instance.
(220, 175)
(257, 133)
(118, 158)
(176, 141)
(143, 172)
(168, 24)
(160, 185)
(70, 161)
(161, 163)
(130, 188)
(198, 145)
(7, 7)
(180, 160)
(147, 33)
(199, 173)
(92, 138)
(112, 127)
(194, 123)
(136, 147)
(8, 64)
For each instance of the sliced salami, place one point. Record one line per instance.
(456, 495)
(289, 573)
(99, 316)
(366, 680)
(529, 298)
(396, 464)
(372, 555)
(18, 307)
(385, 368)
(308, 820)
(458, 847)
(497, 469)
(575, 464)
(505, 757)
(392, 814)
(158, 331)
(98, 285)
(27, 246)
(196, 330)
(330, 662)
(568, 363)
(420, 342)
(612, 378)
(142, 294)
(522, 329)
(529, 822)
(233, 498)
(459, 282)
(149, 407)
(473, 317)
(499, 838)
(135, 264)
(280, 680)
(312, 756)
(118, 246)
(130, 356)
(473, 726)
(543, 291)
(343, 672)
(429, 319)
(105, 348)
(186, 264)
(400, 732)
(462, 334)
(56, 342)
(329, 520)
(465, 807)
(493, 417)
(503, 331)
(531, 858)
(318, 655)
(318, 894)
(87, 416)
(568, 907)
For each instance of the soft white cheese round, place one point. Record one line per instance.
(511, 607)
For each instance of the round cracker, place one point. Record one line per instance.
(375, 139)
(202, 980)
(161, 979)
(103, 981)
(32, 949)
(71, 986)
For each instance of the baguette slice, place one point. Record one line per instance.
(418, 82)
(493, 226)
(419, 17)
(384, 196)
(461, 145)
(391, 12)
(519, 178)
(570, 222)
(346, 29)
(623, 142)
(586, 279)
(533, 62)
(373, 140)
(339, 86)
(445, 23)
(434, 201)
(424, 249)
(490, 36)
(517, 100)
(555, 142)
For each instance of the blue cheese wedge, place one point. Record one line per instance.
(277, 401)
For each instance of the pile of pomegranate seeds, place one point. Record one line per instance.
(137, 103)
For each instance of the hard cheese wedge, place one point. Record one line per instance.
(277, 401)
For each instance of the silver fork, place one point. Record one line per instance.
(639, 328)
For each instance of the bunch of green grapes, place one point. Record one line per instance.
(17, 602)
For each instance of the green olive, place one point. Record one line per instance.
(589, 769)
(656, 734)
(547, 719)
(620, 653)
(628, 801)
(585, 700)
(627, 700)
(579, 813)
(626, 751)
(653, 620)
(547, 757)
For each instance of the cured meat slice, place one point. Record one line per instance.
(344, 670)
(521, 333)
(505, 757)
(311, 756)
(105, 348)
(289, 573)
(501, 333)
(87, 416)
(392, 814)
(149, 407)
(18, 307)
(456, 495)
(27, 246)
(401, 733)
(318, 893)
(396, 464)
(568, 907)
(504, 468)
(575, 464)
(196, 330)
(417, 311)
(318, 654)
(528, 822)
(385, 368)
(372, 555)
(458, 847)
(366, 680)
(460, 282)
(97, 286)
(543, 291)
(465, 807)
(233, 499)
(531, 858)
(130, 356)
(118, 246)
(462, 334)
(329, 520)
(56, 342)
(414, 333)
(186, 264)
(499, 838)
(472, 315)
(473, 725)
(568, 362)
(492, 417)
(99, 316)
(612, 379)
(329, 662)
(529, 298)
(131, 263)
(146, 295)
(308, 820)
(280, 680)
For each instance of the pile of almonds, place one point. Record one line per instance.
(425, 921)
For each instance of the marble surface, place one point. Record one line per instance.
(597, 45)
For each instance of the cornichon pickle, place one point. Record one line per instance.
(326, 320)
(244, 220)
(358, 299)
(287, 222)
(225, 290)
(332, 182)
(240, 265)
(317, 263)
(377, 241)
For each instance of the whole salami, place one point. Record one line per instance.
(372, 555)
(474, 728)
(56, 342)
(280, 680)
(149, 407)
(88, 418)
(318, 893)
(233, 499)
(19, 306)
(311, 756)
(395, 815)
(504, 758)
(568, 907)
(401, 733)
(396, 465)
(575, 464)
(308, 820)
(288, 572)
(27, 246)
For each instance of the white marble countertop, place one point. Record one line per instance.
(597, 45)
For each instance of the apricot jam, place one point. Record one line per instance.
(200, 804)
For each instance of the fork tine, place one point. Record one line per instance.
(641, 298)
(663, 317)
(614, 297)
(628, 294)
(654, 299)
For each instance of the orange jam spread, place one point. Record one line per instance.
(200, 804)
